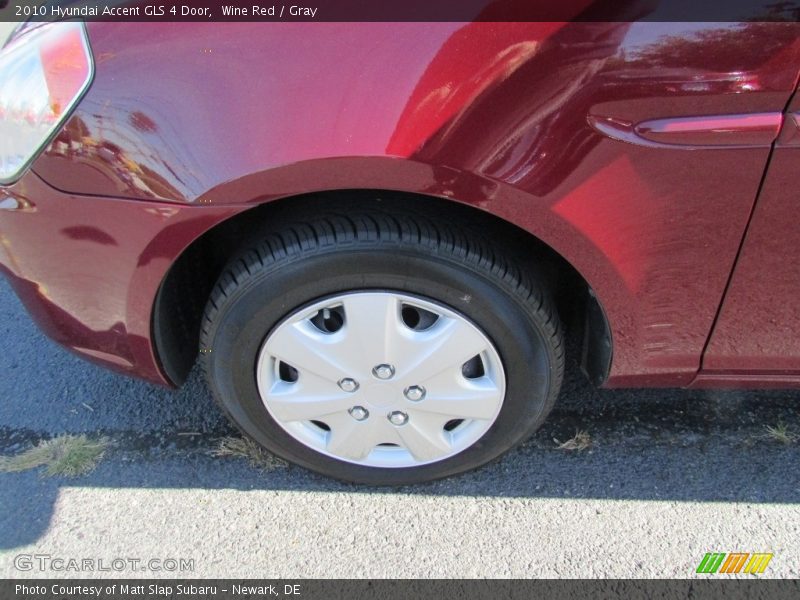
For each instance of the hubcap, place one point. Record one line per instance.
(326, 369)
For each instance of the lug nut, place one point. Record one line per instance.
(348, 385)
(359, 413)
(398, 418)
(383, 371)
(415, 393)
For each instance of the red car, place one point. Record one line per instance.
(385, 241)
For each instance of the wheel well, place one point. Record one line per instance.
(183, 294)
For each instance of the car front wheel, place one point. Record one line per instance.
(381, 348)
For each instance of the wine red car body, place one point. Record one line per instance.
(634, 183)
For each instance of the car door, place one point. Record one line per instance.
(757, 334)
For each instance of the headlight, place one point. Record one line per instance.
(43, 75)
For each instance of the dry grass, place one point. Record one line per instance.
(579, 442)
(238, 447)
(781, 434)
(66, 455)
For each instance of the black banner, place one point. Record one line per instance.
(386, 589)
(407, 10)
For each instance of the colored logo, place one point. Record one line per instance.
(735, 562)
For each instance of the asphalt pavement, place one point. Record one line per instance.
(669, 476)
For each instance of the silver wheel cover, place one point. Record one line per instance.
(381, 379)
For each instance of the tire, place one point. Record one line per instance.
(423, 269)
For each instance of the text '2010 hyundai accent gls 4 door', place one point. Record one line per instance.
(382, 239)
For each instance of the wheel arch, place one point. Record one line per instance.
(178, 307)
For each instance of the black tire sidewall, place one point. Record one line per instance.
(272, 293)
